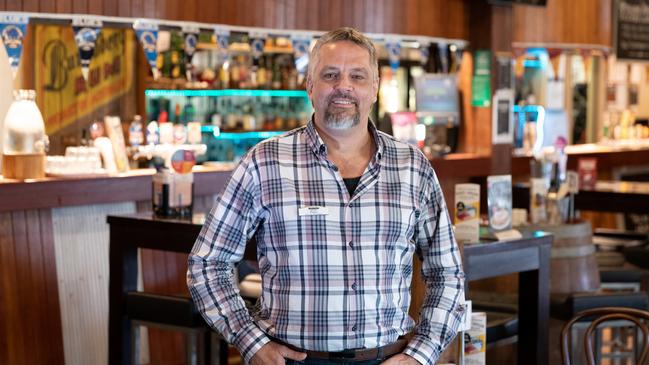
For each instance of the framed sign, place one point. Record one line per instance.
(631, 30)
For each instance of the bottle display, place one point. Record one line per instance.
(232, 120)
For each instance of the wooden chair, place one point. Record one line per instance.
(598, 316)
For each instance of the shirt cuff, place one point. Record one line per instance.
(423, 350)
(249, 340)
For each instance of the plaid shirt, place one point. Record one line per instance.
(336, 276)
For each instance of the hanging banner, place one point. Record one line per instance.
(191, 40)
(301, 53)
(147, 34)
(65, 99)
(86, 30)
(13, 28)
(393, 46)
(222, 38)
(257, 41)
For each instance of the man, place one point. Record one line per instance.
(338, 210)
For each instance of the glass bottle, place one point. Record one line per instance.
(24, 126)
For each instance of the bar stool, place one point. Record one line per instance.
(204, 346)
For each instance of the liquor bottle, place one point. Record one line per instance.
(277, 76)
(234, 74)
(244, 73)
(189, 112)
(224, 76)
(163, 117)
(254, 74)
(177, 114)
(262, 74)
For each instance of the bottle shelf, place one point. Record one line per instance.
(236, 135)
(227, 92)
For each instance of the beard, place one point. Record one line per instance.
(339, 118)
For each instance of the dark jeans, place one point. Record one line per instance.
(330, 362)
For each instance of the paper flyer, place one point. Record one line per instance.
(467, 213)
(499, 202)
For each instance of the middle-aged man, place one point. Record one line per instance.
(337, 209)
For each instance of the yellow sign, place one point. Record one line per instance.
(63, 95)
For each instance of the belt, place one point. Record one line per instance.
(355, 355)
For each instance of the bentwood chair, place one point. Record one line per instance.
(598, 316)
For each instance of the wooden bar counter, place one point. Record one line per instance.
(54, 261)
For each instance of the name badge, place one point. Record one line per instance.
(313, 210)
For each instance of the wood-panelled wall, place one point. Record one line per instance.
(30, 318)
(440, 18)
(561, 21)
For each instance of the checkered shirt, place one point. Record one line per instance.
(336, 276)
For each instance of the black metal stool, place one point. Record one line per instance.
(204, 346)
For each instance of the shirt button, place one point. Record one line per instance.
(354, 328)
(351, 244)
(354, 286)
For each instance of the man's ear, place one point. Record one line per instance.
(375, 85)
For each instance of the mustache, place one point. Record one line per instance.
(342, 95)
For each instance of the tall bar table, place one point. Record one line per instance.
(529, 256)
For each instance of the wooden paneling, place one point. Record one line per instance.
(575, 21)
(80, 237)
(29, 305)
(440, 18)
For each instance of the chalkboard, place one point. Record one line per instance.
(631, 27)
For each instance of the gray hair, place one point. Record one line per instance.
(344, 34)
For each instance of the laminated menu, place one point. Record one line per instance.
(467, 213)
(116, 135)
(475, 340)
(499, 202)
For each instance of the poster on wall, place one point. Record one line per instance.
(63, 95)
(631, 30)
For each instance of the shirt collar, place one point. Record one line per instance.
(319, 148)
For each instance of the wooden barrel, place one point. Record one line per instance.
(23, 166)
(573, 265)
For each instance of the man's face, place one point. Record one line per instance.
(343, 85)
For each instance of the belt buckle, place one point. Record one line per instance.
(342, 355)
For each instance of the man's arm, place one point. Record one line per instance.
(221, 243)
(442, 311)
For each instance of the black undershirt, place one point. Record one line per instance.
(351, 184)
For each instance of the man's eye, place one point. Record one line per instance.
(328, 76)
(358, 77)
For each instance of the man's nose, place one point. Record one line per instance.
(345, 83)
